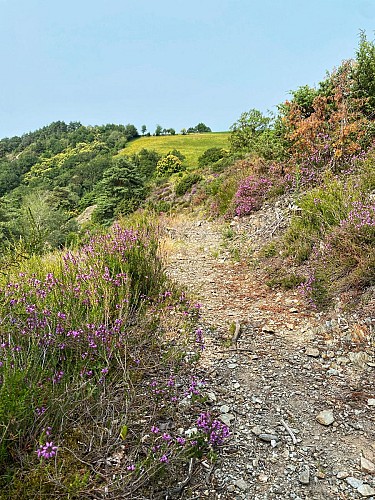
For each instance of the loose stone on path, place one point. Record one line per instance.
(325, 417)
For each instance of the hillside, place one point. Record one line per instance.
(209, 332)
(50, 176)
(192, 146)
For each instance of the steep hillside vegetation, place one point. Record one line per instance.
(319, 153)
(50, 176)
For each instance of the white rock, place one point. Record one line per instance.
(371, 402)
(342, 360)
(268, 329)
(226, 418)
(359, 358)
(365, 490)
(224, 409)
(313, 352)
(211, 396)
(354, 482)
(325, 417)
(256, 430)
(262, 478)
(367, 465)
(304, 475)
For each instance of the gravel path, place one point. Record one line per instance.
(296, 389)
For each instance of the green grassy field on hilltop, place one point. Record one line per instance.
(190, 145)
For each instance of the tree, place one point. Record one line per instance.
(364, 72)
(120, 191)
(247, 129)
(146, 161)
(130, 131)
(43, 226)
(255, 133)
(158, 130)
(201, 128)
(304, 97)
(144, 128)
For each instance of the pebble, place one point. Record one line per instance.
(342, 360)
(354, 482)
(367, 465)
(332, 372)
(267, 437)
(371, 402)
(313, 352)
(224, 409)
(325, 417)
(359, 358)
(211, 396)
(342, 474)
(232, 365)
(226, 418)
(268, 329)
(241, 484)
(304, 475)
(256, 430)
(262, 478)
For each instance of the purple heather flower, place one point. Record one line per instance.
(47, 450)
(164, 459)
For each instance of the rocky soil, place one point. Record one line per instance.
(295, 386)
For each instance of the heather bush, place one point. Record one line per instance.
(320, 209)
(95, 350)
(345, 259)
(186, 183)
(251, 193)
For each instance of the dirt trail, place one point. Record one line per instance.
(288, 365)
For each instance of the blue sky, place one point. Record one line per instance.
(174, 63)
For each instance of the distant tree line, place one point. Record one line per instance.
(201, 128)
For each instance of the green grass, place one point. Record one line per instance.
(191, 145)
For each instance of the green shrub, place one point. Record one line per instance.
(176, 152)
(320, 209)
(168, 165)
(211, 156)
(345, 259)
(186, 183)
